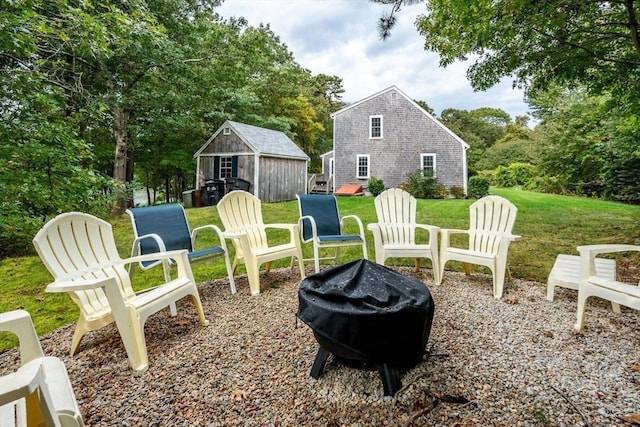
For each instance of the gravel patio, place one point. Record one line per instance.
(509, 362)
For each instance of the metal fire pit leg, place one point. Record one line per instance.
(318, 364)
(391, 378)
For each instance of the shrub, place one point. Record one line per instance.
(514, 174)
(457, 192)
(478, 186)
(375, 186)
(421, 186)
(440, 192)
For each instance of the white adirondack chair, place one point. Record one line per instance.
(321, 224)
(39, 390)
(395, 232)
(491, 221)
(241, 215)
(594, 284)
(80, 253)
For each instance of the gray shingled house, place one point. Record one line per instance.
(388, 136)
(271, 162)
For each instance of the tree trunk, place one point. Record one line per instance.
(120, 120)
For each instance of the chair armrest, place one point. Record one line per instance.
(20, 324)
(282, 226)
(356, 219)
(446, 233)
(167, 255)
(293, 229)
(429, 228)
(212, 227)
(314, 229)
(588, 254)
(80, 285)
(594, 250)
(135, 250)
(433, 233)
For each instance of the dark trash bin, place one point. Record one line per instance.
(214, 189)
(237, 184)
(367, 314)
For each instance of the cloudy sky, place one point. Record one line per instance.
(339, 37)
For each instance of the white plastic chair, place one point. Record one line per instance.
(491, 221)
(394, 234)
(39, 390)
(80, 253)
(241, 215)
(321, 224)
(594, 285)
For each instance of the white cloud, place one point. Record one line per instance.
(339, 37)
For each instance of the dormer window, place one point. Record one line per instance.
(375, 127)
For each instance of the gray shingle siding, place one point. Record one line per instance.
(407, 133)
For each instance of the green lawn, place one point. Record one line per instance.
(548, 224)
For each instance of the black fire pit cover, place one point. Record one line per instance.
(365, 311)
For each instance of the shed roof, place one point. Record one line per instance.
(262, 141)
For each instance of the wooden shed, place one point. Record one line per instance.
(268, 159)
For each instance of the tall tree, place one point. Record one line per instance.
(592, 43)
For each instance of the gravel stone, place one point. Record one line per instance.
(509, 362)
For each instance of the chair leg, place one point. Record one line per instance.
(253, 275)
(467, 268)
(582, 302)
(196, 301)
(77, 337)
(365, 254)
(316, 258)
(232, 283)
(173, 311)
(440, 276)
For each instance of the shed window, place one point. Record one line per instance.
(375, 127)
(428, 164)
(226, 167)
(226, 131)
(362, 166)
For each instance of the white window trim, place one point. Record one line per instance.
(361, 156)
(371, 127)
(422, 157)
(226, 130)
(230, 168)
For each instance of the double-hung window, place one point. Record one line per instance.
(428, 164)
(375, 127)
(362, 166)
(226, 167)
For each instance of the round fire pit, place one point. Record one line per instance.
(365, 313)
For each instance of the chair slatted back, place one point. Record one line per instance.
(167, 221)
(324, 210)
(489, 216)
(71, 246)
(241, 212)
(396, 212)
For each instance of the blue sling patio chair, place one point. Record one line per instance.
(164, 228)
(321, 224)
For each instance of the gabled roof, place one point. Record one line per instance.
(390, 88)
(262, 141)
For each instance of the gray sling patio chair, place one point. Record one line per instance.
(321, 224)
(164, 228)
